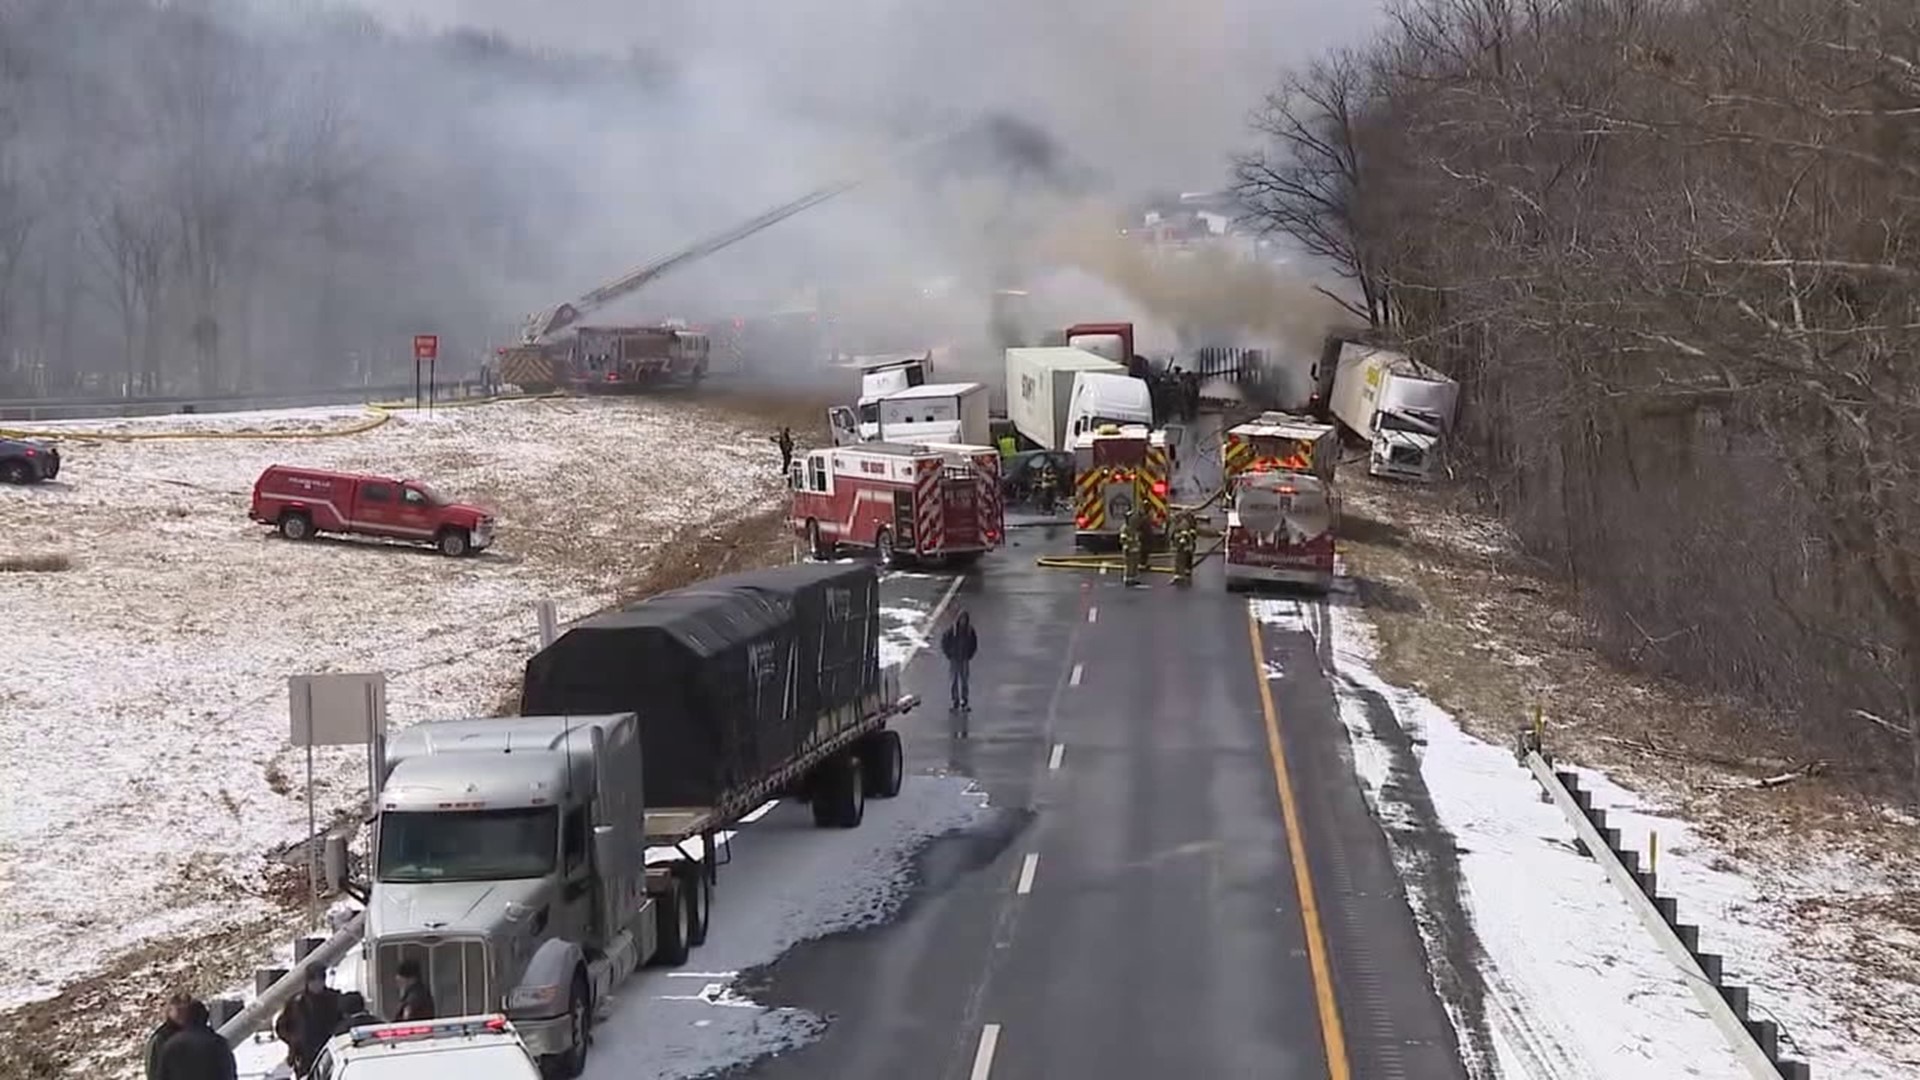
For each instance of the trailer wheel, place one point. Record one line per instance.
(670, 920)
(699, 898)
(883, 763)
(571, 1064)
(839, 795)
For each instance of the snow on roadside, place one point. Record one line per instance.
(1574, 987)
(147, 683)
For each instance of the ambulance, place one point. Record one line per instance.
(1280, 531)
(921, 503)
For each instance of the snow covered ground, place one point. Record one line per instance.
(143, 715)
(1569, 984)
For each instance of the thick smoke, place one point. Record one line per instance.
(453, 166)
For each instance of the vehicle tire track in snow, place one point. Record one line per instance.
(1429, 864)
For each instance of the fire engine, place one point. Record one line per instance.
(1118, 467)
(1280, 530)
(922, 503)
(1280, 442)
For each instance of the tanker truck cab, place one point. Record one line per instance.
(510, 864)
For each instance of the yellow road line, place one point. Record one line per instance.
(1331, 1033)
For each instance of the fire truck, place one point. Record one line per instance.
(1280, 530)
(924, 503)
(1116, 468)
(1280, 442)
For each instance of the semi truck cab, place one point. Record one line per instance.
(510, 863)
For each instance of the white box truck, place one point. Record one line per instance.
(1403, 408)
(1040, 388)
(931, 412)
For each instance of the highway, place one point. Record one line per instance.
(1183, 878)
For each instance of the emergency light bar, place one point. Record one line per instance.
(438, 1029)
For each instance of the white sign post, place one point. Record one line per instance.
(549, 623)
(336, 710)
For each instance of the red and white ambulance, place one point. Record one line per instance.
(1116, 468)
(921, 503)
(1280, 530)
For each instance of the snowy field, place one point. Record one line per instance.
(1574, 987)
(143, 700)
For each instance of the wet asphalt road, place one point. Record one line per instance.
(1133, 910)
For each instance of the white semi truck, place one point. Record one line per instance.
(529, 864)
(1403, 408)
(1056, 394)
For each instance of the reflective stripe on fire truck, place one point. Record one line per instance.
(1153, 485)
(526, 368)
(1091, 514)
(1237, 454)
(991, 516)
(929, 508)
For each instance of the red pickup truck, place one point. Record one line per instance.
(303, 502)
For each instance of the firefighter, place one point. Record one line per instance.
(1130, 548)
(784, 441)
(1184, 537)
(1047, 488)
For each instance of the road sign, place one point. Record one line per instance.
(426, 347)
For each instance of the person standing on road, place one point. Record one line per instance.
(784, 441)
(174, 1019)
(416, 1001)
(958, 645)
(307, 1022)
(196, 1051)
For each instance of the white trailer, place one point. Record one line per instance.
(932, 412)
(1403, 408)
(1040, 386)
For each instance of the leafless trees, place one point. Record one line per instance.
(1669, 250)
(204, 196)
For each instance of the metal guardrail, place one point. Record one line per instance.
(258, 1014)
(1755, 1042)
(101, 408)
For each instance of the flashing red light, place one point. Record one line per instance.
(403, 1032)
(31, 451)
(612, 377)
(1080, 521)
(1159, 487)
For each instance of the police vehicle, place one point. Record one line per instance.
(466, 1047)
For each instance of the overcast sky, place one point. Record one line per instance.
(1155, 88)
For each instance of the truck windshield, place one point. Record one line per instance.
(467, 845)
(1420, 424)
(434, 498)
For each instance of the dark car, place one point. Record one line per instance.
(27, 461)
(1020, 474)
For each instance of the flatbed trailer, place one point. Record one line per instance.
(866, 744)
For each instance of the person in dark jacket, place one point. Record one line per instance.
(178, 1012)
(784, 441)
(307, 1022)
(958, 645)
(416, 1001)
(196, 1051)
(353, 1013)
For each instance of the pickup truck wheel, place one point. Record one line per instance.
(883, 763)
(840, 795)
(670, 919)
(453, 542)
(571, 1064)
(295, 525)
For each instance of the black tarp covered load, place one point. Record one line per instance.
(728, 676)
